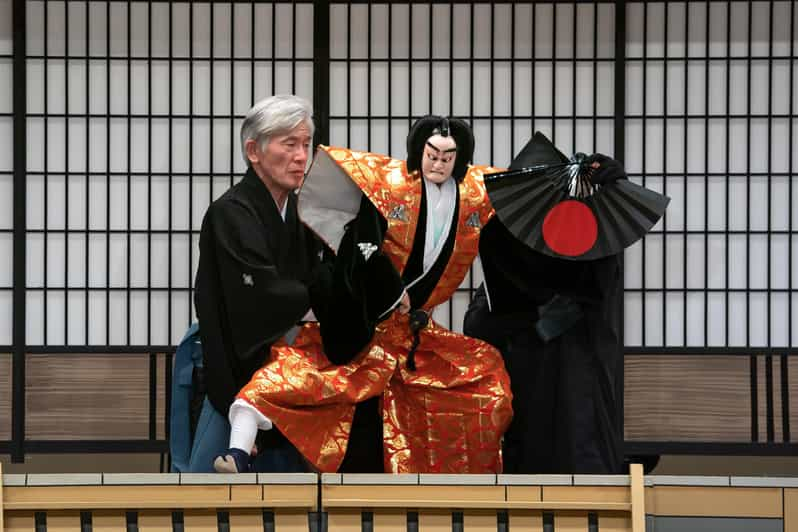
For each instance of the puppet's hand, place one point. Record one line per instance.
(404, 304)
(604, 169)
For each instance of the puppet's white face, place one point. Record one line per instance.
(437, 163)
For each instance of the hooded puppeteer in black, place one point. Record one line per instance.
(567, 388)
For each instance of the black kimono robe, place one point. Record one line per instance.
(567, 390)
(252, 285)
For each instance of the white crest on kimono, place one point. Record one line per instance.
(247, 278)
(398, 212)
(473, 221)
(367, 249)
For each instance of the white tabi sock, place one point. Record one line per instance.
(245, 420)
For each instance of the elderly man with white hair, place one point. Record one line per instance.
(256, 267)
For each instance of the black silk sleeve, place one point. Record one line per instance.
(320, 283)
(519, 278)
(365, 287)
(494, 327)
(479, 322)
(260, 306)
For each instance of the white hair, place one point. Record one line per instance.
(275, 115)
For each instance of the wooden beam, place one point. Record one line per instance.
(638, 495)
(390, 521)
(108, 520)
(791, 510)
(246, 519)
(1, 496)
(526, 521)
(711, 501)
(200, 496)
(155, 521)
(20, 522)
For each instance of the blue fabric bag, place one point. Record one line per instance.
(212, 434)
(187, 357)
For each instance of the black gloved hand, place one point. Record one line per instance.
(604, 169)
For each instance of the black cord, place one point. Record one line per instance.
(418, 320)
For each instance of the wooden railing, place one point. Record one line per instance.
(481, 502)
(157, 502)
(394, 503)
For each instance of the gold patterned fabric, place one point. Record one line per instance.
(447, 416)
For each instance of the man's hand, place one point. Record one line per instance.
(404, 303)
(604, 169)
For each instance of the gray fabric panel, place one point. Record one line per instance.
(765, 482)
(141, 479)
(459, 479)
(534, 480)
(682, 480)
(75, 479)
(602, 480)
(380, 478)
(217, 478)
(331, 478)
(14, 479)
(714, 524)
(288, 478)
(328, 200)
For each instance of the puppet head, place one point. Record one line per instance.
(431, 137)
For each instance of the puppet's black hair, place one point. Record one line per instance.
(430, 125)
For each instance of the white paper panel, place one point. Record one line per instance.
(680, 122)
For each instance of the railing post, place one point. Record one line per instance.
(2, 527)
(637, 486)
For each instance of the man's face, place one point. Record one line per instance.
(281, 164)
(437, 163)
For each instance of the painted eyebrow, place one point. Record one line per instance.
(437, 149)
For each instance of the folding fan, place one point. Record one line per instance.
(549, 202)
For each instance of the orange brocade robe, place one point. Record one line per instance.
(447, 416)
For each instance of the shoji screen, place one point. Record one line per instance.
(711, 292)
(710, 122)
(133, 112)
(508, 69)
(6, 211)
(133, 117)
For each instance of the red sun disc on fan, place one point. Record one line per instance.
(570, 228)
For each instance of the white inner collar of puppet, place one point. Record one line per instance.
(440, 214)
